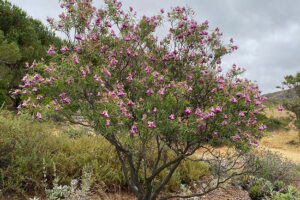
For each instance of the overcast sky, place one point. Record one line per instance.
(267, 32)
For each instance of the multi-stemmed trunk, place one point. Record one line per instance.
(144, 190)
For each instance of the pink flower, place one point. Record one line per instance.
(51, 51)
(155, 110)
(105, 114)
(26, 85)
(16, 92)
(237, 137)
(36, 77)
(76, 48)
(257, 103)
(130, 103)
(64, 49)
(224, 123)
(144, 117)
(171, 117)
(161, 91)
(280, 108)
(206, 116)
(255, 112)
(134, 129)
(221, 87)
(242, 114)
(107, 123)
(50, 20)
(121, 94)
(129, 78)
(96, 78)
(198, 112)
(78, 37)
(108, 73)
(265, 98)
(76, 60)
(218, 110)
(128, 52)
(98, 21)
(24, 79)
(38, 115)
(19, 113)
(215, 134)
(149, 92)
(212, 114)
(151, 124)
(108, 24)
(67, 100)
(188, 111)
(24, 104)
(34, 90)
(233, 100)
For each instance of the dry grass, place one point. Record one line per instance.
(285, 142)
(273, 112)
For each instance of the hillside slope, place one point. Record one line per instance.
(285, 95)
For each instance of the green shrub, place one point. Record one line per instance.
(255, 193)
(274, 167)
(278, 185)
(189, 171)
(3, 93)
(271, 178)
(290, 194)
(193, 171)
(279, 123)
(260, 188)
(24, 144)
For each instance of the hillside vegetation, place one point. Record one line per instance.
(281, 96)
(28, 151)
(22, 40)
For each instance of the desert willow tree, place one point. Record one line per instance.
(157, 101)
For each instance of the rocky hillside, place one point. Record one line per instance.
(284, 95)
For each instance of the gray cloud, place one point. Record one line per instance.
(267, 32)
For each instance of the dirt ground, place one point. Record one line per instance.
(222, 194)
(285, 142)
